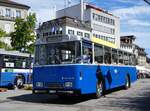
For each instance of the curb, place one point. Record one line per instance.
(3, 90)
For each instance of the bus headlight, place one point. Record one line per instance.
(39, 84)
(68, 84)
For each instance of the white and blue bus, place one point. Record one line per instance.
(75, 65)
(15, 68)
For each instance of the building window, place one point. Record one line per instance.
(57, 30)
(60, 30)
(86, 35)
(71, 32)
(104, 29)
(13, 14)
(103, 19)
(79, 33)
(50, 33)
(97, 36)
(45, 34)
(18, 13)
(1, 12)
(8, 14)
(109, 39)
(53, 30)
(7, 28)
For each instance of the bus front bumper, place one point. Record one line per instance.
(66, 87)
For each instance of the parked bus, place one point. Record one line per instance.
(69, 64)
(15, 68)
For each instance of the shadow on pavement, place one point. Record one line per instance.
(50, 99)
(140, 102)
(54, 99)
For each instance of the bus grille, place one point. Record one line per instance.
(54, 85)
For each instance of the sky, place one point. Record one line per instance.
(134, 15)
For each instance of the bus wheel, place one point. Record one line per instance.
(33, 91)
(99, 89)
(19, 82)
(10, 86)
(127, 82)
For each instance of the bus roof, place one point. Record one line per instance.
(14, 53)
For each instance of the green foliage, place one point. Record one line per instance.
(2, 33)
(24, 34)
(31, 48)
(4, 46)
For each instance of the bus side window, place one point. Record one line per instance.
(130, 60)
(1, 60)
(114, 56)
(98, 52)
(87, 55)
(125, 58)
(120, 57)
(134, 60)
(107, 55)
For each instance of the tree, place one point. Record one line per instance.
(2, 33)
(3, 44)
(23, 37)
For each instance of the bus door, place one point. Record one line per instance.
(110, 58)
(88, 70)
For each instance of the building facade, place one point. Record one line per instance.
(127, 43)
(9, 11)
(105, 26)
(141, 56)
(64, 26)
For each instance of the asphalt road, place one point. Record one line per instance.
(137, 98)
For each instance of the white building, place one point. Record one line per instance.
(105, 26)
(64, 26)
(9, 11)
(127, 43)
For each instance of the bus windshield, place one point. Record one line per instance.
(57, 53)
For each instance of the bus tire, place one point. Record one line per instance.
(127, 82)
(33, 91)
(99, 89)
(19, 81)
(10, 86)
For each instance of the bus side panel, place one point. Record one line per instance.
(131, 71)
(115, 76)
(120, 74)
(110, 77)
(133, 74)
(83, 77)
(86, 78)
(28, 79)
(7, 78)
(87, 83)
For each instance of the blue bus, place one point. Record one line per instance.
(15, 68)
(79, 66)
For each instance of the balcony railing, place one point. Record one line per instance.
(7, 18)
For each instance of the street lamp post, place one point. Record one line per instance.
(147, 1)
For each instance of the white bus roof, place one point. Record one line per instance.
(14, 53)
